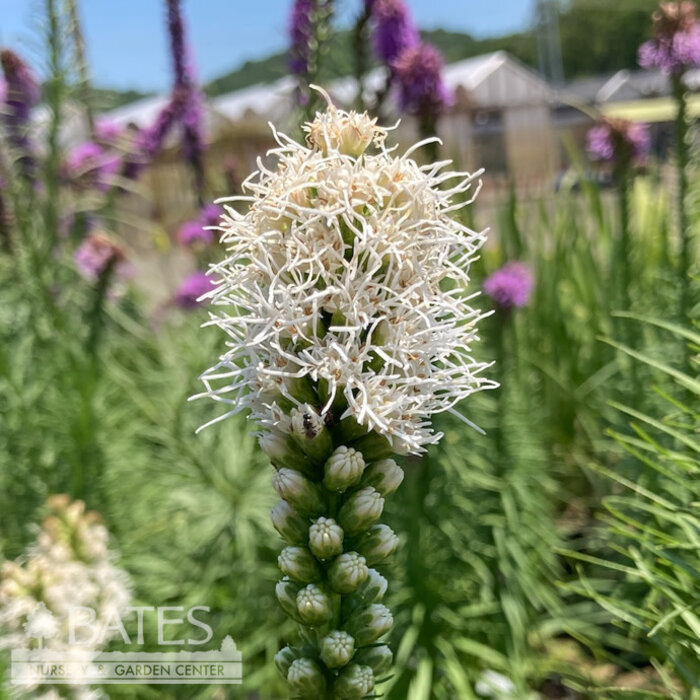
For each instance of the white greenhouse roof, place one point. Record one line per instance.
(492, 80)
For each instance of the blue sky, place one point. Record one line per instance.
(127, 45)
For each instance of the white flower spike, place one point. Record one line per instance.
(347, 273)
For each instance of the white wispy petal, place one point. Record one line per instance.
(334, 273)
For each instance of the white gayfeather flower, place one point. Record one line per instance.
(348, 271)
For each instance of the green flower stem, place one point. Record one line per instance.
(622, 261)
(81, 63)
(329, 518)
(684, 227)
(359, 44)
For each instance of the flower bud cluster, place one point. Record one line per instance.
(331, 500)
(69, 565)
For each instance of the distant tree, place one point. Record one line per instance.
(603, 36)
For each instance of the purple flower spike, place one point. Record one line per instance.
(421, 89)
(178, 50)
(22, 89)
(193, 233)
(511, 286)
(676, 44)
(210, 214)
(89, 165)
(192, 288)
(107, 131)
(96, 254)
(394, 31)
(185, 92)
(300, 32)
(617, 141)
(21, 94)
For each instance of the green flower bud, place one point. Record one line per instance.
(339, 403)
(306, 679)
(301, 389)
(293, 528)
(347, 572)
(349, 429)
(385, 475)
(343, 469)
(299, 564)
(337, 649)
(284, 659)
(362, 509)
(303, 495)
(286, 592)
(354, 682)
(367, 624)
(282, 451)
(381, 333)
(377, 543)
(376, 445)
(375, 586)
(378, 658)
(310, 433)
(372, 590)
(325, 538)
(314, 605)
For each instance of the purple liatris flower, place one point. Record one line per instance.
(90, 165)
(21, 94)
(676, 43)
(421, 88)
(151, 139)
(193, 233)
(619, 141)
(185, 92)
(96, 254)
(21, 88)
(394, 31)
(107, 131)
(176, 29)
(192, 288)
(511, 286)
(210, 214)
(300, 33)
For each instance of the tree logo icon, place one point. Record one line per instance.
(40, 625)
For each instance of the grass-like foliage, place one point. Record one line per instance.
(645, 570)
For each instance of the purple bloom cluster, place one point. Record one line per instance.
(418, 74)
(190, 112)
(415, 66)
(301, 30)
(193, 233)
(20, 94)
(676, 43)
(394, 31)
(511, 286)
(96, 253)
(90, 165)
(21, 87)
(191, 289)
(617, 141)
(107, 131)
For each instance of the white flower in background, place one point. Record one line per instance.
(69, 565)
(492, 684)
(348, 270)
